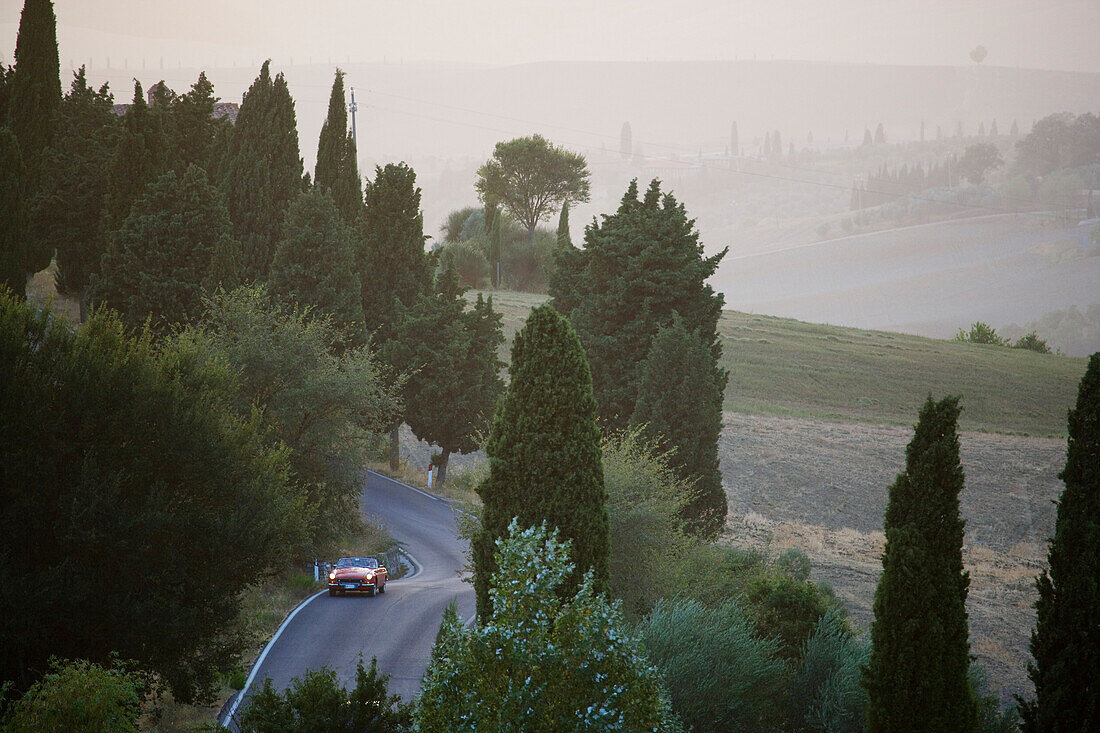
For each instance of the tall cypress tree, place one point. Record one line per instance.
(35, 95)
(6, 75)
(564, 240)
(390, 252)
(314, 264)
(263, 169)
(544, 454)
(139, 159)
(14, 234)
(67, 213)
(393, 268)
(34, 98)
(1066, 640)
(337, 171)
(195, 131)
(680, 407)
(496, 246)
(920, 650)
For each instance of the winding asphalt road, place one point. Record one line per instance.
(399, 626)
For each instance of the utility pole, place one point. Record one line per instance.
(352, 106)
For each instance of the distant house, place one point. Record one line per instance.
(221, 109)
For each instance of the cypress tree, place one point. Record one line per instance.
(67, 213)
(867, 136)
(337, 171)
(14, 234)
(390, 251)
(680, 408)
(35, 94)
(544, 455)
(393, 268)
(6, 74)
(496, 244)
(1066, 641)
(263, 169)
(880, 134)
(138, 160)
(163, 257)
(34, 98)
(195, 131)
(314, 264)
(564, 240)
(639, 266)
(920, 651)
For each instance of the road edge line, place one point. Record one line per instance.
(263, 655)
(408, 486)
(417, 567)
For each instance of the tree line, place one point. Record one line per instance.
(247, 331)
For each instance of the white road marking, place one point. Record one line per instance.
(263, 655)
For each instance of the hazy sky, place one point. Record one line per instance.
(1052, 34)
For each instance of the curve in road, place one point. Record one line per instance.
(399, 626)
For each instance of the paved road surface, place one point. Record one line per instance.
(399, 626)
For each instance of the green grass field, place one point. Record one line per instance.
(780, 366)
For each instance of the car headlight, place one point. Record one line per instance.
(332, 575)
(370, 575)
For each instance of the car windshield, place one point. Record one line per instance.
(357, 562)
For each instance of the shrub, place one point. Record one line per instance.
(795, 563)
(991, 718)
(644, 499)
(80, 696)
(538, 663)
(980, 333)
(469, 262)
(527, 265)
(785, 609)
(316, 702)
(1032, 342)
(456, 222)
(826, 683)
(472, 226)
(720, 674)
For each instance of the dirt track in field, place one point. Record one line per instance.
(821, 487)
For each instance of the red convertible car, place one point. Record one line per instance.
(357, 575)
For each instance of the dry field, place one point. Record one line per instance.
(822, 487)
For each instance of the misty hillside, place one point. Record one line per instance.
(424, 109)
